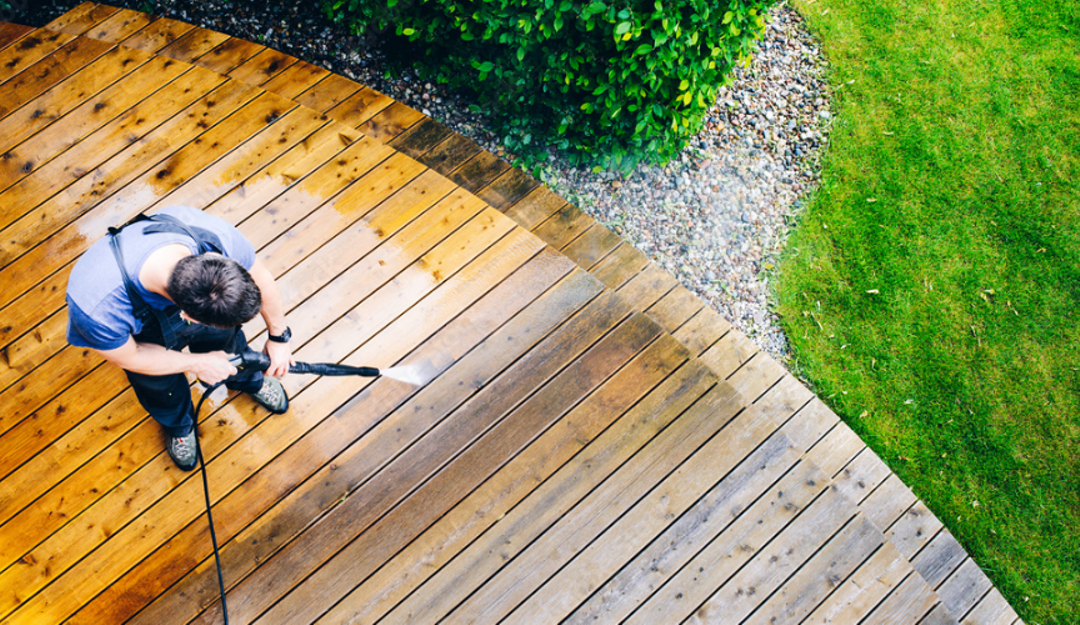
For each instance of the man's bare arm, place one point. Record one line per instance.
(273, 313)
(150, 359)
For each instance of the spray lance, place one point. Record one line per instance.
(247, 362)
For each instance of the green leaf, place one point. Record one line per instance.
(622, 28)
(643, 49)
(408, 32)
(728, 17)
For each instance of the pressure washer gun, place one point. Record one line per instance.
(251, 360)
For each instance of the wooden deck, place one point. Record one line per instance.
(597, 445)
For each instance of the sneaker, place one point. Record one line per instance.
(182, 451)
(272, 396)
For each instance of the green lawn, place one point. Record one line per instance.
(931, 289)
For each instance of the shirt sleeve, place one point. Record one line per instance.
(85, 331)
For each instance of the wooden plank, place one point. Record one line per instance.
(531, 210)
(81, 21)
(784, 399)
(991, 610)
(913, 530)
(810, 424)
(630, 463)
(29, 50)
(420, 138)
(360, 107)
(474, 466)
(120, 25)
(821, 574)
(72, 14)
(563, 227)
(10, 33)
(747, 535)
(328, 93)
(648, 286)
(908, 603)
(645, 540)
(592, 246)
(389, 252)
(87, 84)
(451, 154)
(702, 330)
(830, 515)
(32, 391)
(729, 353)
(394, 187)
(262, 67)
(451, 387)
(964, 588)
(49, 71)
(888, 502)
(156, 35)
(137, 539)
(506, 190)
(620, 265)
(390, 122)
(675, 308)
(477, 172)
(518, 479)
(295, 79)
(866, 587)
(756, 377)
(374, 167)
(284, 173)
(861, 476)
(836, 449)
(193, 44)
(939, 558)
(228, 55)
(32, 348)
(940, 615)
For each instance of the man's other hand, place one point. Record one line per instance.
(280, 358)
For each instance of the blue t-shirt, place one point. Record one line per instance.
(100, 314)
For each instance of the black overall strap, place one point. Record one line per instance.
(205, 240)
(139, 306)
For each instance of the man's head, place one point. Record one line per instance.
(214, 290)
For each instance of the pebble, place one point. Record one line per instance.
(715, 216)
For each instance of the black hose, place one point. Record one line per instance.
(245, 363)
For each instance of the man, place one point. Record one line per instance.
(178, 278)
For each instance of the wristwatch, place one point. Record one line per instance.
(283, 338)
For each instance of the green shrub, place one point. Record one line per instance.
(606, 82)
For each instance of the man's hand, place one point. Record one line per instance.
(280, 358)
(212, 367)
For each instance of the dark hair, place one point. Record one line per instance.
(214, 290)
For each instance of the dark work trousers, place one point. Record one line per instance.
(168, 397)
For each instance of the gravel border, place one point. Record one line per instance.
(717, 217)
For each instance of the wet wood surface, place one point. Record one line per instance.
(592, 443)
